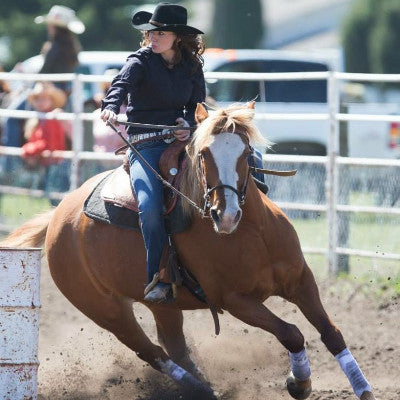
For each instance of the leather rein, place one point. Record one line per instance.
(241, 194)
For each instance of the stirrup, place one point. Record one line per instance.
(161, 293)
(150, 286)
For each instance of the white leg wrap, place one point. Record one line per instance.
(353, 372)
(300, 365)
(173, 370)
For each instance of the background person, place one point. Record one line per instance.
(164, 81)
(105, 139)
(45, 136)
(60, 54)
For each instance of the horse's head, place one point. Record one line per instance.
(220, 148)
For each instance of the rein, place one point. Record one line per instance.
(207, 191)
(274, 172)
(161, 127)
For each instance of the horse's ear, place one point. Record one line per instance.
(251, 105)
(201, 113)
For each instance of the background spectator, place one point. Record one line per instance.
(44, 136)
(105, 139)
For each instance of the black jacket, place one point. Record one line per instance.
(156, 94)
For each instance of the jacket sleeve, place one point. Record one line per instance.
(124, 83)
(198, 96)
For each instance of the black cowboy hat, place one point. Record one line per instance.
(166, 17)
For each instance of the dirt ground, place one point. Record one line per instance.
(80, 361)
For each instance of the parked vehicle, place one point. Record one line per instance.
(364, 139)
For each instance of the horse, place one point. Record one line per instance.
(242, 249)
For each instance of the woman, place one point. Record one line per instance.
(62, 47)
(163, 81)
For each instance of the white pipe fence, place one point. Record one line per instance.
(331, 162)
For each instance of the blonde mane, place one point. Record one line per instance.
(235, 118)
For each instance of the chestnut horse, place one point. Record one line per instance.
(246, 251)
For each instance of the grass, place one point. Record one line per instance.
(15, 209)
(367, 232)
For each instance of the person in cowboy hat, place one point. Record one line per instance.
(163, 82)
(62, 48)
(45, 136)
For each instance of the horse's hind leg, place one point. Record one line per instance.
(308, 300)
(171, 338)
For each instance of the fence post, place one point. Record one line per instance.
(19, 322)
(343, 195)
(332, 172)
(77, 130)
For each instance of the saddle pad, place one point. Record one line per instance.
(118, 190)
(104, 211)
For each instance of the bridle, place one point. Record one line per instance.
(207, 190)
(241, 194)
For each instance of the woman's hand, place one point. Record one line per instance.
(108, 115)
(182, 134)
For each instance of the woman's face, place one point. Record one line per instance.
(161, 42)
(51, 30)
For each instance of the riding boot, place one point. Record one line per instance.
(158, 292)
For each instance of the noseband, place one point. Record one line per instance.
(209, 190)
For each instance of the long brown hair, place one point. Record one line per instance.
(61, 52)
(190, 47)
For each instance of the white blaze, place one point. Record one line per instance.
(226, 150)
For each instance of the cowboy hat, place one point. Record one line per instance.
(47, 88)
(64, 17)
(166, 17)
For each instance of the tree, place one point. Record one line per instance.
(384, 40)
(370, 37)
(237, 24)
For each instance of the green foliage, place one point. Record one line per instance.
(370, 37)
(237, 24)
(384, 40)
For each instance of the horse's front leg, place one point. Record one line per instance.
(254, 313)
(170, 335)
(308, 300)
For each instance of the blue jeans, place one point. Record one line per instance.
(149, 192)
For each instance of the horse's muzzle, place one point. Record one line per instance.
(225, 221)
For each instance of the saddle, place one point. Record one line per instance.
(118, 189)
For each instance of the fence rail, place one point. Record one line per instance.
(331, 163)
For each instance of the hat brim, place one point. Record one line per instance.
(75, 26)
(57, 95)
(141, 19)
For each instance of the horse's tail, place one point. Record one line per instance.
(31, 234)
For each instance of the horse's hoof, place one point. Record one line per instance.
(198, 389)
(367, 396)
(298, 389)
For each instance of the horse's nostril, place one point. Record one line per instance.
(238, 216)
(214, 214)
